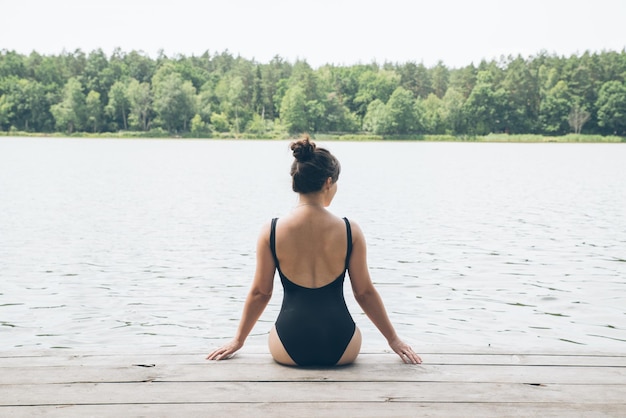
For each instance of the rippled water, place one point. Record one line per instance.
(148, 245)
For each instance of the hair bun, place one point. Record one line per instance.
(303, 149)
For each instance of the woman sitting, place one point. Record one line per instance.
(312, 249)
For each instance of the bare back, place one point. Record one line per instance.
(311, 246)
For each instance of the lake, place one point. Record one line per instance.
(149, 245)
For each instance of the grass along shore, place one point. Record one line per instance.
(159, 134)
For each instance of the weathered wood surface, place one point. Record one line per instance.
(378, 385)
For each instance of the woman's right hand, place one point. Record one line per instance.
(226, 351)
(405, 352)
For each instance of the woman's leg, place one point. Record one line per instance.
(277, 349)
(352, 350)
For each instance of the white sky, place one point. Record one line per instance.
(456, 32)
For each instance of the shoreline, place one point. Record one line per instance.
(493, 138)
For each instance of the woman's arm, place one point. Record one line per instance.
(369, 299)
(258, 297)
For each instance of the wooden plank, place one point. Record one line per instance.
(449, 385)
(289, 392)
(364, 358)
(310, 410)
(381, 372)
(403, 373)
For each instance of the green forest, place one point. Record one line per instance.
(222, 95)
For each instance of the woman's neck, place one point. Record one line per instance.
(316, 200)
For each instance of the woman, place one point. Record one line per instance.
(312, 249)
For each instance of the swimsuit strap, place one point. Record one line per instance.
(349, 250)
(273, 240)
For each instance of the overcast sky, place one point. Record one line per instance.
(457, 32)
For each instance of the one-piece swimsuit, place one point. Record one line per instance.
(314, 324)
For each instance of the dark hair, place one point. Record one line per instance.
(312, 166)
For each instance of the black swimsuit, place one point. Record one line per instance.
(314, 324)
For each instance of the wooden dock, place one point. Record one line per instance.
(251, 384)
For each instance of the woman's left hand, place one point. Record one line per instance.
(405, 352)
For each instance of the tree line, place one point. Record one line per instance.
(222, 94)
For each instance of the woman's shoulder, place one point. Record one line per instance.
(264, 232)
(353, 224)
(355, 229)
